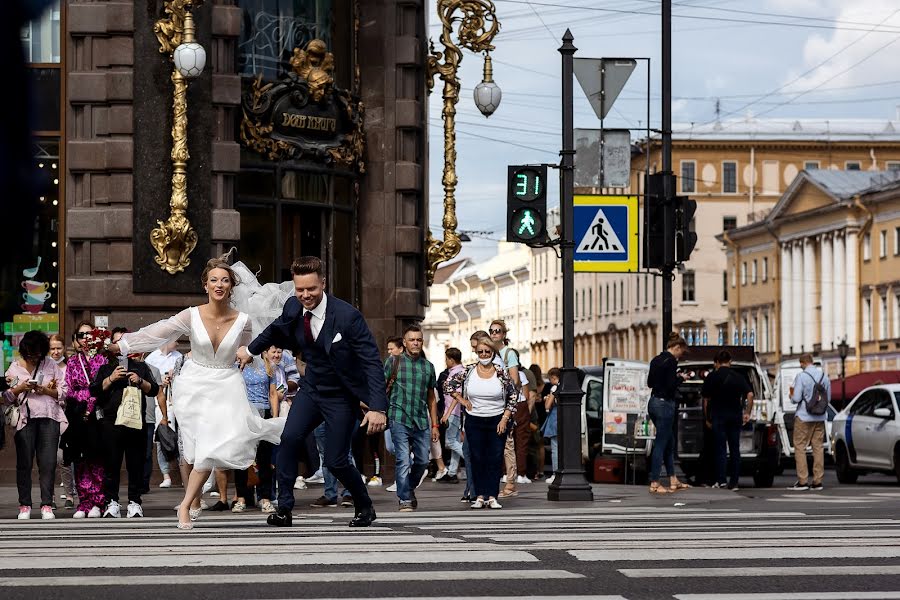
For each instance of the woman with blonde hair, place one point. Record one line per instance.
(489, 398)
(217, 425)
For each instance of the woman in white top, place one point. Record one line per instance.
(489, 397)
(217, 425)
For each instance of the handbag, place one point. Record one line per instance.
(130, 413)
(11, 415)
(168, 442)
(252, 475)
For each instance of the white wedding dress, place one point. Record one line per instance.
(217, 425)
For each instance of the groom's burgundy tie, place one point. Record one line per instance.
(307, 328)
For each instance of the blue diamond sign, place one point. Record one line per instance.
(606, 234)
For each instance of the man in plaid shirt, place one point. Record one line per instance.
(411, 380)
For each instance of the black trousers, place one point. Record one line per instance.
(264, 464)
(123, 442)
(38, 439)
(727, 430)
(340, 416)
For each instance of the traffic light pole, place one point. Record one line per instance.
(569, 483)
(666, 163)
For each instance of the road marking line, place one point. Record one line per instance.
(795, 596)
(271, 578)
(279, 559)
(799, 571)
(655, 554)
(775, 536)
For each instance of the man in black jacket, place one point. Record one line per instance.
(121, 441)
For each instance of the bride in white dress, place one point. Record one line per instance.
(217, 425)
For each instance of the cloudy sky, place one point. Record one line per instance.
(766, 58)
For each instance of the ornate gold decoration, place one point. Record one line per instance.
(477, 27)
(175, 239)
(306, 94)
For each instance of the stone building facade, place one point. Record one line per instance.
(115, 101)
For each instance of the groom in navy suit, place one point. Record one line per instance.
(343, 369)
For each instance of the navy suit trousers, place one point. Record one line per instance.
(340, 416)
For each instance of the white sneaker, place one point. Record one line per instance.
(550, 479)
(522, 479)
(214, 495)
(80, 514)
(113, 510)
(439, 474)
(300, 484)
(492, 503)
(503, 479)
(391, 488)
(316, 478)
(24, 513)
(375, 481)
(135, 510)
(47, 513)
(95, 513)
(166, 482)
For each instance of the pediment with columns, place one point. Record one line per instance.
(804, 195)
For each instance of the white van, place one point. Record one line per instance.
(785, 410)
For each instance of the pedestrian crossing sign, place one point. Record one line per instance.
(606, 234)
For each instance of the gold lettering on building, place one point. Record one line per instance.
(307, 122)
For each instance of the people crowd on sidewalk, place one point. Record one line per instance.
(115, 396)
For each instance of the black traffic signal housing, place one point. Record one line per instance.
(526, 204)
(685, 236)
(659, 221)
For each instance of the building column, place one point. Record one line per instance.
(786, 312)
(809, 295)
(827, 330)
(838, 287)
(798, 295)
(851, 288)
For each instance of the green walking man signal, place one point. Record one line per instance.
(526, 204)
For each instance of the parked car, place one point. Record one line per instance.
(866, 434)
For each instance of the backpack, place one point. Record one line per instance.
(817, 404)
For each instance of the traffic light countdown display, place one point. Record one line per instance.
(526, 204)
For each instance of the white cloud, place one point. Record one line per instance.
(851, 47)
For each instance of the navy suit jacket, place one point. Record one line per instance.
(354, 357)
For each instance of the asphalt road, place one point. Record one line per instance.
(841, 543)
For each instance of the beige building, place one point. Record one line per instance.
(497, 288)
(737, 171)
(823, 266)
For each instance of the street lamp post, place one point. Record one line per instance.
(175, 239)
(843, 350)
(477, 27)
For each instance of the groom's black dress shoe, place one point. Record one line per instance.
(363, 518)
(282, 518)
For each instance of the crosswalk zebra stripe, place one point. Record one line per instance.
(663, 535)
(10, 547)
(794, 596)
(783, 571)
(772, 552)
(263, 578)
(413, 555)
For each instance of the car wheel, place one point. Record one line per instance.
(764, 478)
(842, 468)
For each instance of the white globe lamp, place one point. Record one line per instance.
(487, 93)
(189, 57)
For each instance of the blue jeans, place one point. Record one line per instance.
(554, 455)
(331, 482)
(662, 413)
(728, 430)
(406, 440)
(486, 448)
(454, 445)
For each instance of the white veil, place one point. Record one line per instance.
(264, 303)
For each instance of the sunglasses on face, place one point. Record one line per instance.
(82, 335)
(496, 331)
(484, 352)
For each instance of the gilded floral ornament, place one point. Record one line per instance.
(304, 115)
(477, 27)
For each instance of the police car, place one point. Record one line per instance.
(866, 434)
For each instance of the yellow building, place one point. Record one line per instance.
(736, 170)
(821, 267)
